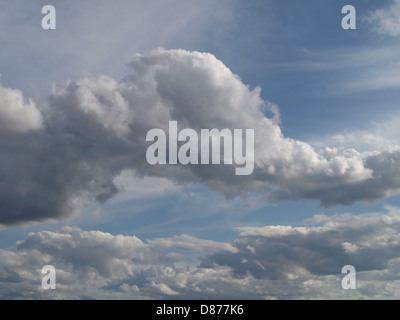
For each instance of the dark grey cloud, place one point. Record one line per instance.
(95, 128)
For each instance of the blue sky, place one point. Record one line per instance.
(327, 172)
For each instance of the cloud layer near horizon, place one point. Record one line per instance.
(95, 128)
(271, 262)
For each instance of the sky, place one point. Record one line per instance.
(76, 189)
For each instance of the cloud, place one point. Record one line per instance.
(192, 244)
(386, 21)
(367, 68)
(86, 41)
(95, 128)
(144, 189)
(17, 116)
(122, 251)
(94, 263)
(271, 262)
(367, 242)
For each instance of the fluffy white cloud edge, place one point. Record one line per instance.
(17, 116)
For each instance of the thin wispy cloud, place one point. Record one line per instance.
(386, 21)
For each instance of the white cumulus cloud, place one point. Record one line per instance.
(95, 128)
(17, 115)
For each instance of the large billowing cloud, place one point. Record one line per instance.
(95, 128)
(279, 262)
